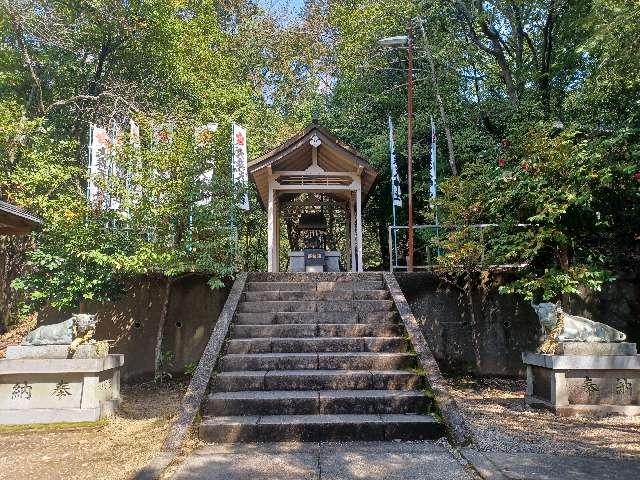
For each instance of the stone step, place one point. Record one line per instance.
(316, 306)
(337, 277)
(274, 318)
(315, 380)
(309, 402)
(317, 361)
(298, 330)
(317, 344)
(290, 295)
(315, 428)
(314, 286)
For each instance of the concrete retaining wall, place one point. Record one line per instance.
(132, 322)
(506, 325)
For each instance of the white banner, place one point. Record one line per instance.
(134, 134)
(204, 134)
(116, 173)
(204, 180)
(396, 195)
(163, 133)
(239, 162)
(433, 188)
(102, 149)
(99, 149)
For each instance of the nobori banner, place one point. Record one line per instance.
(239, 163)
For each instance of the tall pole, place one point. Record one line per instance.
(410, 147)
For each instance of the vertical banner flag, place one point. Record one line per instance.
(396, 195)
(204, 137)
(134, 134)
(163, 133)
(204, 180)
(103, 149)
(240, 174)
(99, 149)
(204, 134)
(116, 173)
(432, 189)
(134, 141)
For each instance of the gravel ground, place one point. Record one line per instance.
(502, 422)
(116, 450)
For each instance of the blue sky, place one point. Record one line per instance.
(292, 4)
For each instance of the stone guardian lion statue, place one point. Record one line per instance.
(74, 331)
(559, 326)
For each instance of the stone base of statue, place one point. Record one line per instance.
(298, 262)
(39, 384)
(587, 378)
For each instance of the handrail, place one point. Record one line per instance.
(393, 247)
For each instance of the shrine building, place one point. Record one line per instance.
(313, 188)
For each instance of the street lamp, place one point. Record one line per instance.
(401, 41)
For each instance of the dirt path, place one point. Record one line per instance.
(116, 450)
(503, 423)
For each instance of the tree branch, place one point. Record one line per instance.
(89, 98)
(18, 30)
(468, 17)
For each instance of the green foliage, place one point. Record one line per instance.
(545, 132)
(64, 66)
(190, 368)
(544, 126)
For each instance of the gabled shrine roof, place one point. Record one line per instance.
(296, 155)
(16, 221)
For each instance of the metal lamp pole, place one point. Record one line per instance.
(410, 146)
(401, 41)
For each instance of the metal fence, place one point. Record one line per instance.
(427, 251)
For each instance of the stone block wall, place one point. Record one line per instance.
(505, 325)
(131, 322)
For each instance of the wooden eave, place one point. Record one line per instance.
(16, 221)
(296, 153)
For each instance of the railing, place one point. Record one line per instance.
(426, 252)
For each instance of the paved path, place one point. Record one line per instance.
(532, 466)
(325, 461)
(389, 461)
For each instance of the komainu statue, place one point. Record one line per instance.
(74, 331)
(559, 326)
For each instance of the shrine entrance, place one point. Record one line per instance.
(313, 188)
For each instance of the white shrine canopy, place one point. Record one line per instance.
(314, 162)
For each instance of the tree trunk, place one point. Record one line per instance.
(158, 374)
(545, 67)
(443, 113)
(12, 264)
(491, 34)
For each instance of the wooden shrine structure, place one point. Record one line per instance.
(309, 175)
(16, 221)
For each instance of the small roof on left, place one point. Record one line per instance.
(16, 221)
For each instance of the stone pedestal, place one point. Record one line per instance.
(53, 351)
(331, 262)
(49, 390)
(296, 261)
(585, 384)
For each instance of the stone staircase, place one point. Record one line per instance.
(317, 357)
